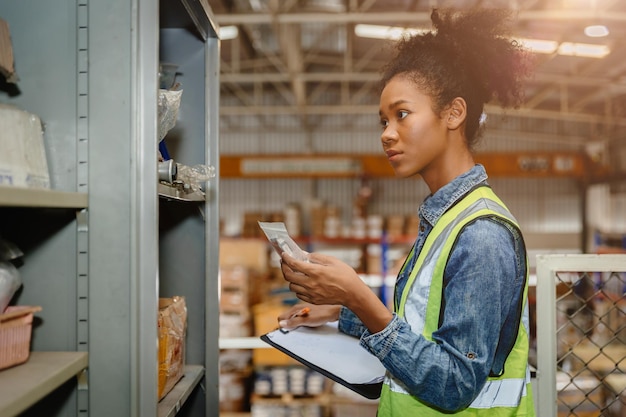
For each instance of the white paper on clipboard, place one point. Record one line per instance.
(329, 349)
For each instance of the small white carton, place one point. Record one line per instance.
(23, 160)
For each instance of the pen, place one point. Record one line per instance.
(304, 312)
(300, 313)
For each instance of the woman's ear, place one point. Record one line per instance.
(456, 113)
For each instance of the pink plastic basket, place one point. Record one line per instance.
(15, 333)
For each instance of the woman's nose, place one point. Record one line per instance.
(388, 137)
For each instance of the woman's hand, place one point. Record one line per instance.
(308, 315)
(322, 280)
(325, 280)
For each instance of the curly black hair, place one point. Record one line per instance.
(468, 54)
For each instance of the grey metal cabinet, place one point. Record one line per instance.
(102, 247)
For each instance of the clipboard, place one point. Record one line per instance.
(333, 354)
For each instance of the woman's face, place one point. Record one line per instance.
(414, 137)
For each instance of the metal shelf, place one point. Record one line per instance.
(33, 197)
(174, 400)
(24, 385)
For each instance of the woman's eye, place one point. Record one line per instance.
(402, 114)
(383, 123)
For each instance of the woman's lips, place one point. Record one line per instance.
(391, 154)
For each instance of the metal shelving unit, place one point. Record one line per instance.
(51, 226)
(24, 385)
(101, 247)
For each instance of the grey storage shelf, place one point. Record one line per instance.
(24, 385)
(172, 403)
(29, 197)
(50, 226)
(101, 247)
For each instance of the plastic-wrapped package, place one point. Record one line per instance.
(194, 175)
(10, 282)
(172, 325)
(168, 105)
(23, 160)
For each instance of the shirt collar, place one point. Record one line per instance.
(436, 204)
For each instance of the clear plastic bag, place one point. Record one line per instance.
(10, 282)
(168, 105)
(194, 175)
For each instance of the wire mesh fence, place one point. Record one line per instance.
(591, 343)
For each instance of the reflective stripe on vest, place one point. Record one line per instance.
(420, 305)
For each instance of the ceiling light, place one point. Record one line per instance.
(584, 50)
(596, 31)
(228, 32)
(566, 48)
(385, 32)
(539, 46)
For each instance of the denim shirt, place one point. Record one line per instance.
(484, 281)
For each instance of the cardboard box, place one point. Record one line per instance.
(266, 320)
(23, 160)
(235, 325)
(172, 325)
(234, 392)
(234, 277)
(234, 301)
(6, 53)
(249, 253)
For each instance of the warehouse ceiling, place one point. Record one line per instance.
(302, 58)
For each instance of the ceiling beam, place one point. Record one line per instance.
(250, 78)
(405, 16)
(373, 109)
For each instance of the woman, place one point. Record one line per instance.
(457, 340)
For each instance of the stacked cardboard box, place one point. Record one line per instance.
(266, 320)
(395, 226)
(235, 302)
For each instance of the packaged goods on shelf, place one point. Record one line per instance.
(23, 160)
(265, 320)
(290, 410)
(374, 261)
(15, 333)
(235, 325)
(235, 277)
(240, 288)
(249, 253)
(250, 224)
(332, 226)
(291, 381)
(412, 225)
(375, 225)
(234, 302)
(395, 225)
(172, 328)
(235, 360)
(233, 391)
(293, 219)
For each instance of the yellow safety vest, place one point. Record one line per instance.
(507, 395)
